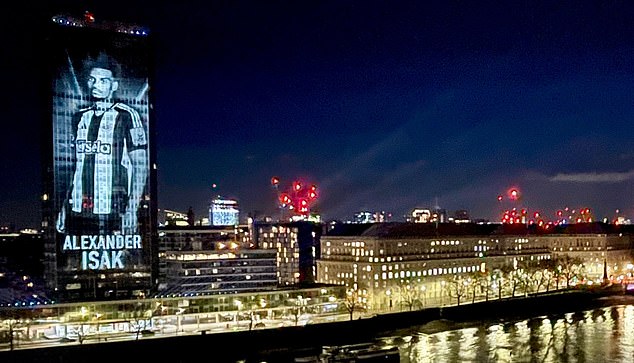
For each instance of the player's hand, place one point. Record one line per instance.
(60, 224)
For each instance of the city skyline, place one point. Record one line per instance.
(384, 106)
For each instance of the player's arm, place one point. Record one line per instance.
(138, 161)
(136, 144)
(60, 224)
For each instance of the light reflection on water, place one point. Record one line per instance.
(599, 335)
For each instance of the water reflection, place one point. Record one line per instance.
(600, 335)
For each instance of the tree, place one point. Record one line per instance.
(543, 274)
(257, 302)
(538, 277)
(483, 280)
(410, 293)
(497, 280)
(458, 286)
(138, 318)
(11, 325)
(516, 278)
(12, 320)
(353, 302)
(569, 268)
(297, 308)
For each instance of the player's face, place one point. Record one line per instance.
(101, 83)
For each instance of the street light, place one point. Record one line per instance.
(388, 292)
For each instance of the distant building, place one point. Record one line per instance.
(297, 245)
(427, 215)
(371, 217)
(438, 215)
(21, 268)
(421, 215)
(172, 218)
(460, 216)
(224, 212)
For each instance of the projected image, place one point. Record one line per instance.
(100, 132)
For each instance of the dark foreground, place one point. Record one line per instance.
(282, 345)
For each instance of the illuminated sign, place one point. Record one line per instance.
(101, 155)
(224, 212)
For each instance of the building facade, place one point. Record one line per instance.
(383, 259)
(213, 259)
(99, 199)
(297, 245)
(224, 212)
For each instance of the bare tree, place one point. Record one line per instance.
(12, 320)
(256, 302)
(297, 308)
(483, 280)
(515, 279)
(11, 326)
(497, 280)
(539, 277)
(138, 318)
(458, 287)
(353, 302)
(410, 293)
(569, 268)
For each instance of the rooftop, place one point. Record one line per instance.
(405, 229)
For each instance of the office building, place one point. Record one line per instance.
(379, 259)
(224, 212)
(213, 260)
(99, 200)
(297, 246)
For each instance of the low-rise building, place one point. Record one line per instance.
(379, 259)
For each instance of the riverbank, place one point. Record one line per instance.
(282, 344)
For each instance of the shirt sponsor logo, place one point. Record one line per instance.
(93, 147)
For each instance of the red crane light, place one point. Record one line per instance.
(297, 198)
(89, 17)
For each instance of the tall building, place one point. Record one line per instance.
(297, 245)
(224, 212)
(99, 199)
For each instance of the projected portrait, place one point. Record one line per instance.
(101, 160)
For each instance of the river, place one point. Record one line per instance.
(603, 334)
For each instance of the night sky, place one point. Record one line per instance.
(385, 105)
